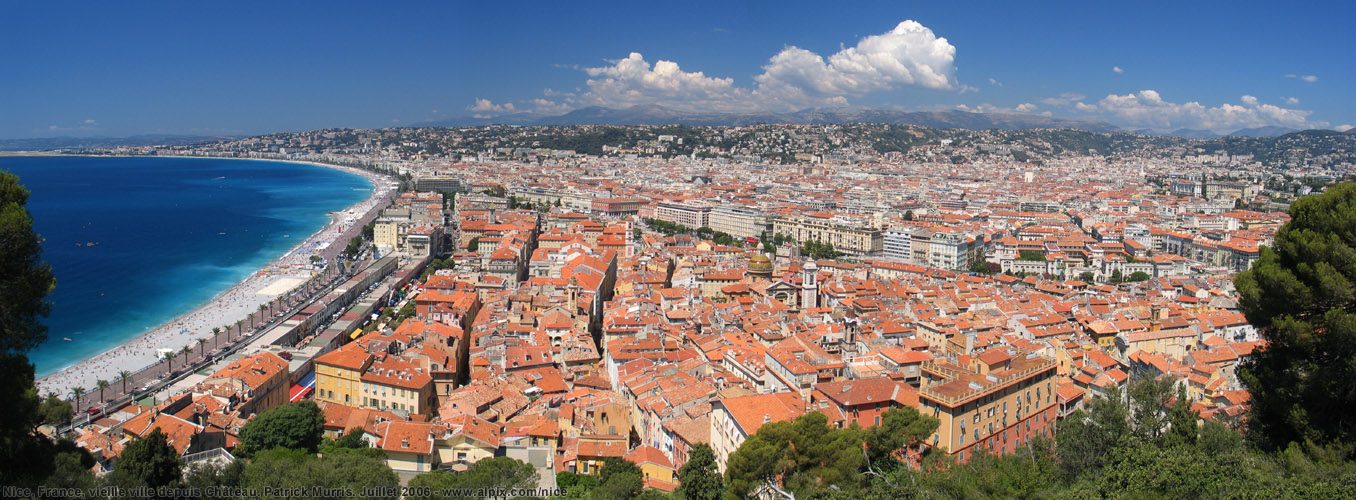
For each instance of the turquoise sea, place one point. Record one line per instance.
(168, 234)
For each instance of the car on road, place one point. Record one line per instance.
(92, 411)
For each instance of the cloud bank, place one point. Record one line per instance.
(1148, 109)
(792, 79)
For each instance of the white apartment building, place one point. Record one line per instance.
(740, 222)
(691, 215)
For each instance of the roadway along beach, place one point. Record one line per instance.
(237, 303)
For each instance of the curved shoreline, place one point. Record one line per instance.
(237, 302)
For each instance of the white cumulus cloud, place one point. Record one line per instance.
(1291, 101)
(485, 105)
(1117, 69)
(794, 78)
(1148, 109)
(633, 81)
(909, 54)
(1307, 78)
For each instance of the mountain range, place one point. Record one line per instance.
(658, 115)
(49, 143)
(650, 114)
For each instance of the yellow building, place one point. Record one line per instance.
(395, 384)
(851, 240)
(999, 402)
(656, 470)
(338, 375)
(467, 440)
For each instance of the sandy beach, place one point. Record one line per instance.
(237, 303)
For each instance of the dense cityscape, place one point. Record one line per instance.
(657, 296)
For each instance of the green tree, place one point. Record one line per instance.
(1301, 293)
(698, 478)
(209, 477)
(499, 473)
(55, 411)
(295, 468)
(148, 461)
(899, 428)
(1138, 276)
(1084, 439)
(1087, 276)
(297, 426)
(1182, 421)
(473, 245)
(124, 376)
(25, 280)
(807, 454)
(1116, 277)
(908, 215)
(353, 439)
(1149, 403)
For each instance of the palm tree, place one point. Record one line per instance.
(202, 342)
(238, 324)
(169, 362)
(215, 332)
(187, 350)
(77, 392)
(101, 384)
(125, 376)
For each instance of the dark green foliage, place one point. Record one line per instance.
(25, 280)
(436, 265)
(1149, 405)
(353, 439)
(345, 472)
(297, 426)
(623, 483)
(899, 428)
(810, 456)
(1031, 255)
(473, 245)
(355, 246)
(490, 473)
(1087, 276)
(816, 250)
(1302, 294)
(55, 411)
(1138, 276)
(148, 461)
(208, 478)
(576, 485)
(698, 478)
(984, 267)
(71, 470)
(1086, 437)
(1117, 277)
(613, 466)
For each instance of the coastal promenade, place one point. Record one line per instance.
(237, 313)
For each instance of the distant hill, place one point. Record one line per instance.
(1189, 133)
(50, 143)
(659, 115)
(1268, 131)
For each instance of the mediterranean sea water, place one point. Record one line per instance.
(167, 235)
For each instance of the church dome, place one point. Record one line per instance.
(760, 263)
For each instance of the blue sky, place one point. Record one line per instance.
(123, 68)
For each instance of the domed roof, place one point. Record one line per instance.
(760, 262)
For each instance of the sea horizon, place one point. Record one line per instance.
(136, 242)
